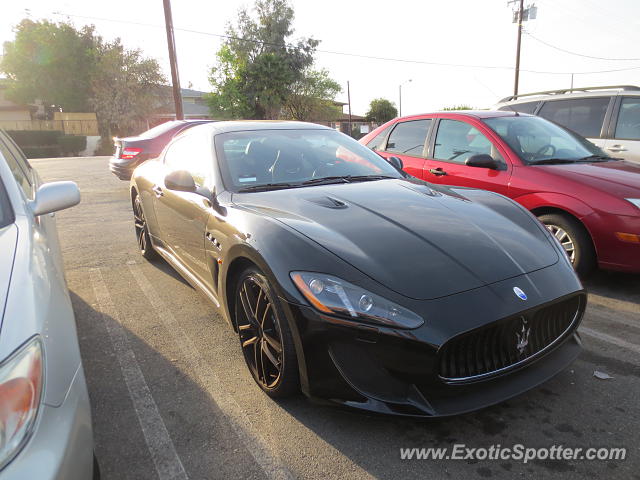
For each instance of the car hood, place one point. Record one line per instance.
(419, 240)
(8, 241)
(619, 178)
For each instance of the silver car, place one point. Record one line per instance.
(607, 116)
(45, 419)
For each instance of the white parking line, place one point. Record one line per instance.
(166, 460)
(610, 339)
(246, 431)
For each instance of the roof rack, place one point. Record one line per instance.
(569, 90)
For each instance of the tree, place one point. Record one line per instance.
(125, 87)
(311, 97)
(51, 62)
(257, 65)
(381, 110)
(457, 107)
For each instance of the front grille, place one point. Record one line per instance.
(509, 342)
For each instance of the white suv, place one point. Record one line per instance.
(607, 116)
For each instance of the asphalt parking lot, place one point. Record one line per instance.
(172, 398)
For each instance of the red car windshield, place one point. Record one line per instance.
(537, 141)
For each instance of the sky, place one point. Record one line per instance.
(423, 34)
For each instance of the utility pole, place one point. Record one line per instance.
(171, 43)
(520, 16)
(517, 77)
(349, 100)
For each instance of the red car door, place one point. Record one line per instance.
(407, 141)
(456, 140)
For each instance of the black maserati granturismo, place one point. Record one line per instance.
(348, 279)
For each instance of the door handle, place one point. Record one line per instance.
(617, 148)
(158, 191)
(438, 172)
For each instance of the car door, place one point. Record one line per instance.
(625, 141)
(182, 216)
(407, 141)
(584, 115)
(455, 141)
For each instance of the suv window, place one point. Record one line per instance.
(582, 115)
(6, 214)
(408, 138)
(527, 107)
(375, 143)
(628, 126)
(457, 141)
(18, 165)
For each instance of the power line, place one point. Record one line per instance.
(578, 54)
(355, 55)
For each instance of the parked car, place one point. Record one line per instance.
(347, 278)
(132, 151)
(607, 116)
(45, 417)
(588, 200)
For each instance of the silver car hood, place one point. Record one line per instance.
(8, 241)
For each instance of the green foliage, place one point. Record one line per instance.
(257, 66)
(311, 97)
(72, 144)
(457, 107)
(125, 87)
(51, 62)
(42, 151)
(35, 138)
(381, 110)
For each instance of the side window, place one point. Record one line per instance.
(628, 125)
(582, 115)
(408, 138)
(192, 153)
(457, 141)
(376, 142)
(527, 107)
(19, 167)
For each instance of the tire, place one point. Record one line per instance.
(142, 231)
(265, 337)
(574, 238)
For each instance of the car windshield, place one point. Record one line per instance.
(160, 129)
(539, 141)
(271, 159)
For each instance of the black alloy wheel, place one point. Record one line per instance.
(142, 231)
(265, 337)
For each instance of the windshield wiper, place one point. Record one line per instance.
(552, 161)
(345, 179)
(597, 158)
(267, 186)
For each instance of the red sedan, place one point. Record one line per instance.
(589, 201)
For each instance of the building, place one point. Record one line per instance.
(194, 106)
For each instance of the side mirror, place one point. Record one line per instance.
(396, 162)
(482, 160)
(180, 180)
(54, 196)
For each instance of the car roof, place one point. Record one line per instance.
(551, 95)
(470, 113)
(249, 125)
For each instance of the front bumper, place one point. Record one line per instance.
(397, 371)
(61, 447)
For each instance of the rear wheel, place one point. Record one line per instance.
(574, 239)
(265, 336)
(142, 231)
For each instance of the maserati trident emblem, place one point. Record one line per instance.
(523, 337)
(518, 291)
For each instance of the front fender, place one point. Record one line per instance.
(570, 204)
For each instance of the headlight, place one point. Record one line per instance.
(635, 201)
(21, 377)
(335, 296)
